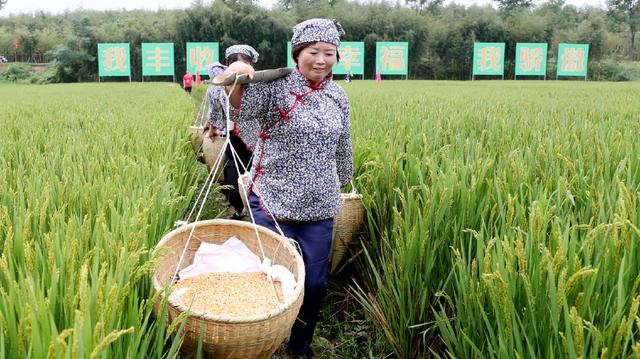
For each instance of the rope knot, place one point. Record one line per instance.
(299, 97)
(284, 115)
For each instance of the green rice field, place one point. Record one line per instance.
(502, 219)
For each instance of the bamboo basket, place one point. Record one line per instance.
(224, 337)
(210, 150)
(196, 137)
(345, 224)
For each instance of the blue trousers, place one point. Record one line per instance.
(314, 239)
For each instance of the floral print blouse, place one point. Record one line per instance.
(303, 155)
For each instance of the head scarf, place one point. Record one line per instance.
(245, 50)
(314, 30)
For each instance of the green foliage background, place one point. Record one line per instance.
(440, 37)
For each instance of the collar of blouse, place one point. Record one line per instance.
(303, 79)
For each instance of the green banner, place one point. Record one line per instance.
(531, 59)
(290, 62)
(351, 59)
(572, 59)
(200, 54)
(392, 58)
(157, 59)
(488, 58)
(114, 60)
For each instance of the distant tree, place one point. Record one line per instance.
(440, 36)
(510, 5)
(630, 11)
(592, 31)
(429, 5)
(287, 4)
(71, 63)
(3, 3)
(74, 60)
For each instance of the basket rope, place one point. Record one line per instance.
(200, 117)
(208, 185)
(199, 122)
(236, 159)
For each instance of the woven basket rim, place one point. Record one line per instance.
(225, 319)
(351, 195)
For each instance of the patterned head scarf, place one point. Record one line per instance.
(245, 50)
(215, 69)
(314, 30)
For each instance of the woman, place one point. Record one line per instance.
(243, 136)
(302, 158)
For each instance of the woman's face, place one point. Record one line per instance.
(244, 59)
(241, 58)
(316, 61)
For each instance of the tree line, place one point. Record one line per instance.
(440, 36)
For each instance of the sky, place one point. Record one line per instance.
(59, 6)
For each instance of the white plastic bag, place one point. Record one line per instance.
(231, 256)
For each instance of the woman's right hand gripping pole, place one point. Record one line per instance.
(238, 68)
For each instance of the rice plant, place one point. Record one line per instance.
(503, 217)
(90, 177)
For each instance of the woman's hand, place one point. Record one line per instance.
(238, 68)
